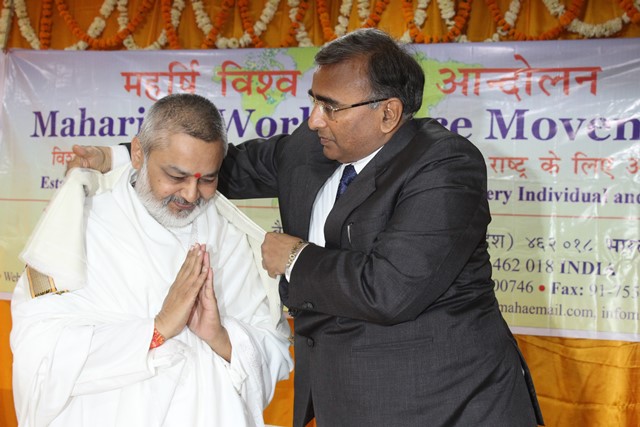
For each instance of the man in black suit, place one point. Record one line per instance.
(396, 321)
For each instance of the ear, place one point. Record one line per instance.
(392, 115)
(137, 155)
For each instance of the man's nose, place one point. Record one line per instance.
(317, 118)
(190, 190)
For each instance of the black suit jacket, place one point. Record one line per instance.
(396, 321)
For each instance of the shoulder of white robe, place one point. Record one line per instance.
(61, 227)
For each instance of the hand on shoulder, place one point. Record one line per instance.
(91, 157)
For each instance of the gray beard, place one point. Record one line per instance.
(159, 210)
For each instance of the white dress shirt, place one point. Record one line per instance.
(323, 204)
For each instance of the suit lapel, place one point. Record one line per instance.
(365, 183)
(307, 178)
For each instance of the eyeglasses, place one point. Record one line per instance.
(329, 110)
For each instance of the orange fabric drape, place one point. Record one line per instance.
(586, 383)
(7, 414)
(579, 382)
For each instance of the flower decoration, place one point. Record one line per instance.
(325, 21)
(414, 19)
(363, 11)
(97, 25)
(376, 14)
(252, 31)
(565, 17)
(24, 24)
(46, 25)
(113, 42)
(343, 18)
(454, 14)
(5, 22)
(297, 31)
(631, 9)
(221, 19)
(455, 21)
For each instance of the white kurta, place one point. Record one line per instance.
(82, 358)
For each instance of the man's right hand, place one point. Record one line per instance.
(92, 157)
(179, 302)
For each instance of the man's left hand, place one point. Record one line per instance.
(205, 320)
(276, 249)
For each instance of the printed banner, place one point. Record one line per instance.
(558, 123)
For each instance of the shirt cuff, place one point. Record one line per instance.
(287, 272)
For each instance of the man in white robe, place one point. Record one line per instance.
(147, 305)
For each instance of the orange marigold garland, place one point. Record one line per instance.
(407, 12)
(461, 19)
(295, 23)
(571, 13)
(247, 23)
(170, 30)
(323, 13)
(115, 41)
(631, 10)
(568, 18)
(376, 14)
(46, 24)
(221, 19)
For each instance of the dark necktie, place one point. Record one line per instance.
(348, 175)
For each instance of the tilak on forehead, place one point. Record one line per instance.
(197, 175)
